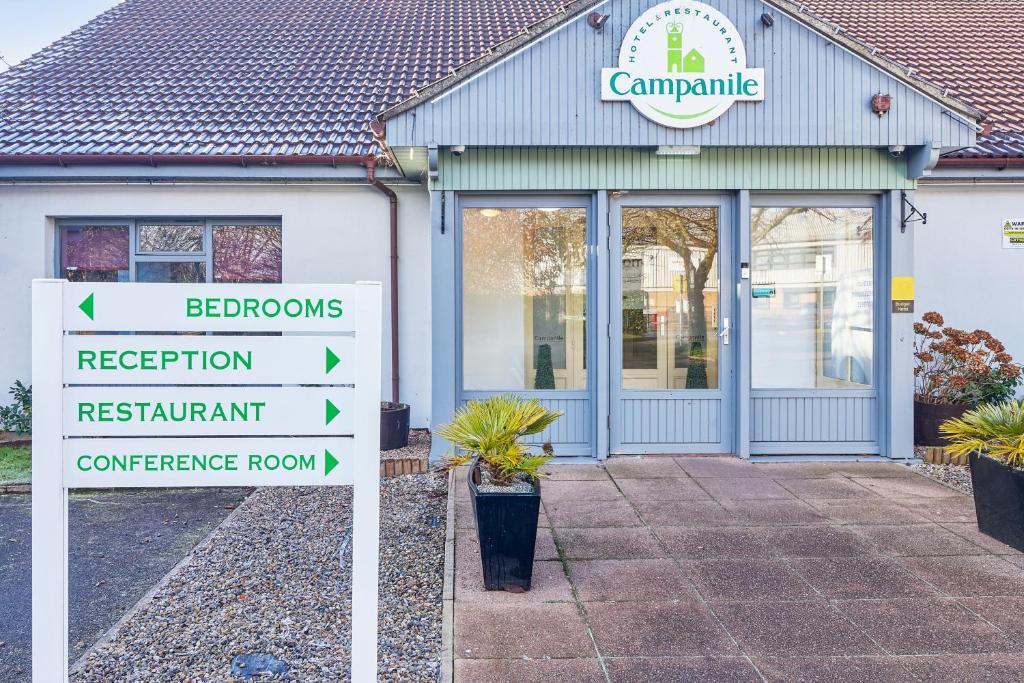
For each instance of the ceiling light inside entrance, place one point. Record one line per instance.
(677, 150)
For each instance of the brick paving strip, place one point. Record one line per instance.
(717, 569)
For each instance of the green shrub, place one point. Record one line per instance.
(545, 377)
(493, 429)
(17, 417)
(995, 429)
(697, 371)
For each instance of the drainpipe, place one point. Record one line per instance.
(371, 177)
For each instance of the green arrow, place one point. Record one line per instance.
(332, 359)
(332, 411)
(87, 306)
(330, 462)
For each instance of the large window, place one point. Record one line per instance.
(170, 251)
(812, 284)
(524, 295)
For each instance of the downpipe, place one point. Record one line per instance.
(371, 177)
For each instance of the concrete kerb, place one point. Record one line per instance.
(111, 633)
(448, 593)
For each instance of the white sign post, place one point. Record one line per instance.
(164, 410)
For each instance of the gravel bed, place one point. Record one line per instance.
(419, 447)
(268, 582)
(957, 476)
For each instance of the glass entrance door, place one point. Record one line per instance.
(671, 326)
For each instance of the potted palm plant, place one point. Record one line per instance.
(955, 370)
(993, 436)
(504, 481)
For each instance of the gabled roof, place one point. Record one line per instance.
(296, 78)
(242, 77)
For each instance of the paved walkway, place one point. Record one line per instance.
(714, 569)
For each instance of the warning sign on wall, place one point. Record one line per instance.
(1013, 234)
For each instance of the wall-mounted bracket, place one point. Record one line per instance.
(432, 173)
(908, 212)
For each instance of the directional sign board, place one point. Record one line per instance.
(160, 385)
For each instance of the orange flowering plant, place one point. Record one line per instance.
(956, 366)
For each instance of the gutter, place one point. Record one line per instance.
(171, 159)
(998, 163)
(368, 161)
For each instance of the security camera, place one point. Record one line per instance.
(457, 150)
(896, 151)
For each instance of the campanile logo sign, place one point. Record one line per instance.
(682, 64)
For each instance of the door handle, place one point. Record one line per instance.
(724, 334)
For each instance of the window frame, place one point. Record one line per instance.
(872, 201)
(136, 256)
(514, 200)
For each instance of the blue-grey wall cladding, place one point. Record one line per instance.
(548, 93)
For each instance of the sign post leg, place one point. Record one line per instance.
(366, 492)
(49, 497)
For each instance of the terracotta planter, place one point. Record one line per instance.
(928, 417)
(999, 500)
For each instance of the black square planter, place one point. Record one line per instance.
(506, 524)
(999, 500)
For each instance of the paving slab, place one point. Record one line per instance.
(529, 670)
(514, 631)
(645, 468)
(581, 514)
(969, 576)
(831, 488)
(1006, 614)
(676, 628)
(914, 540)
(610, 543)
(832, 670)
(686, 543)
(860, 577)
(923, 626)
(652, 580)
(682, 488)
(719, 467)
(681, 670)
(743, 488)
(778, 629)
(749, 579)
(998, 668)
(690, 513)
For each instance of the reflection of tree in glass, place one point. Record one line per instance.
(691, 233)
(524, 251)
(808, 225)
(247, 253)
(94, 253)
(171, 239)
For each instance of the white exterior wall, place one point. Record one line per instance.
(330, 233)
(962, 270)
